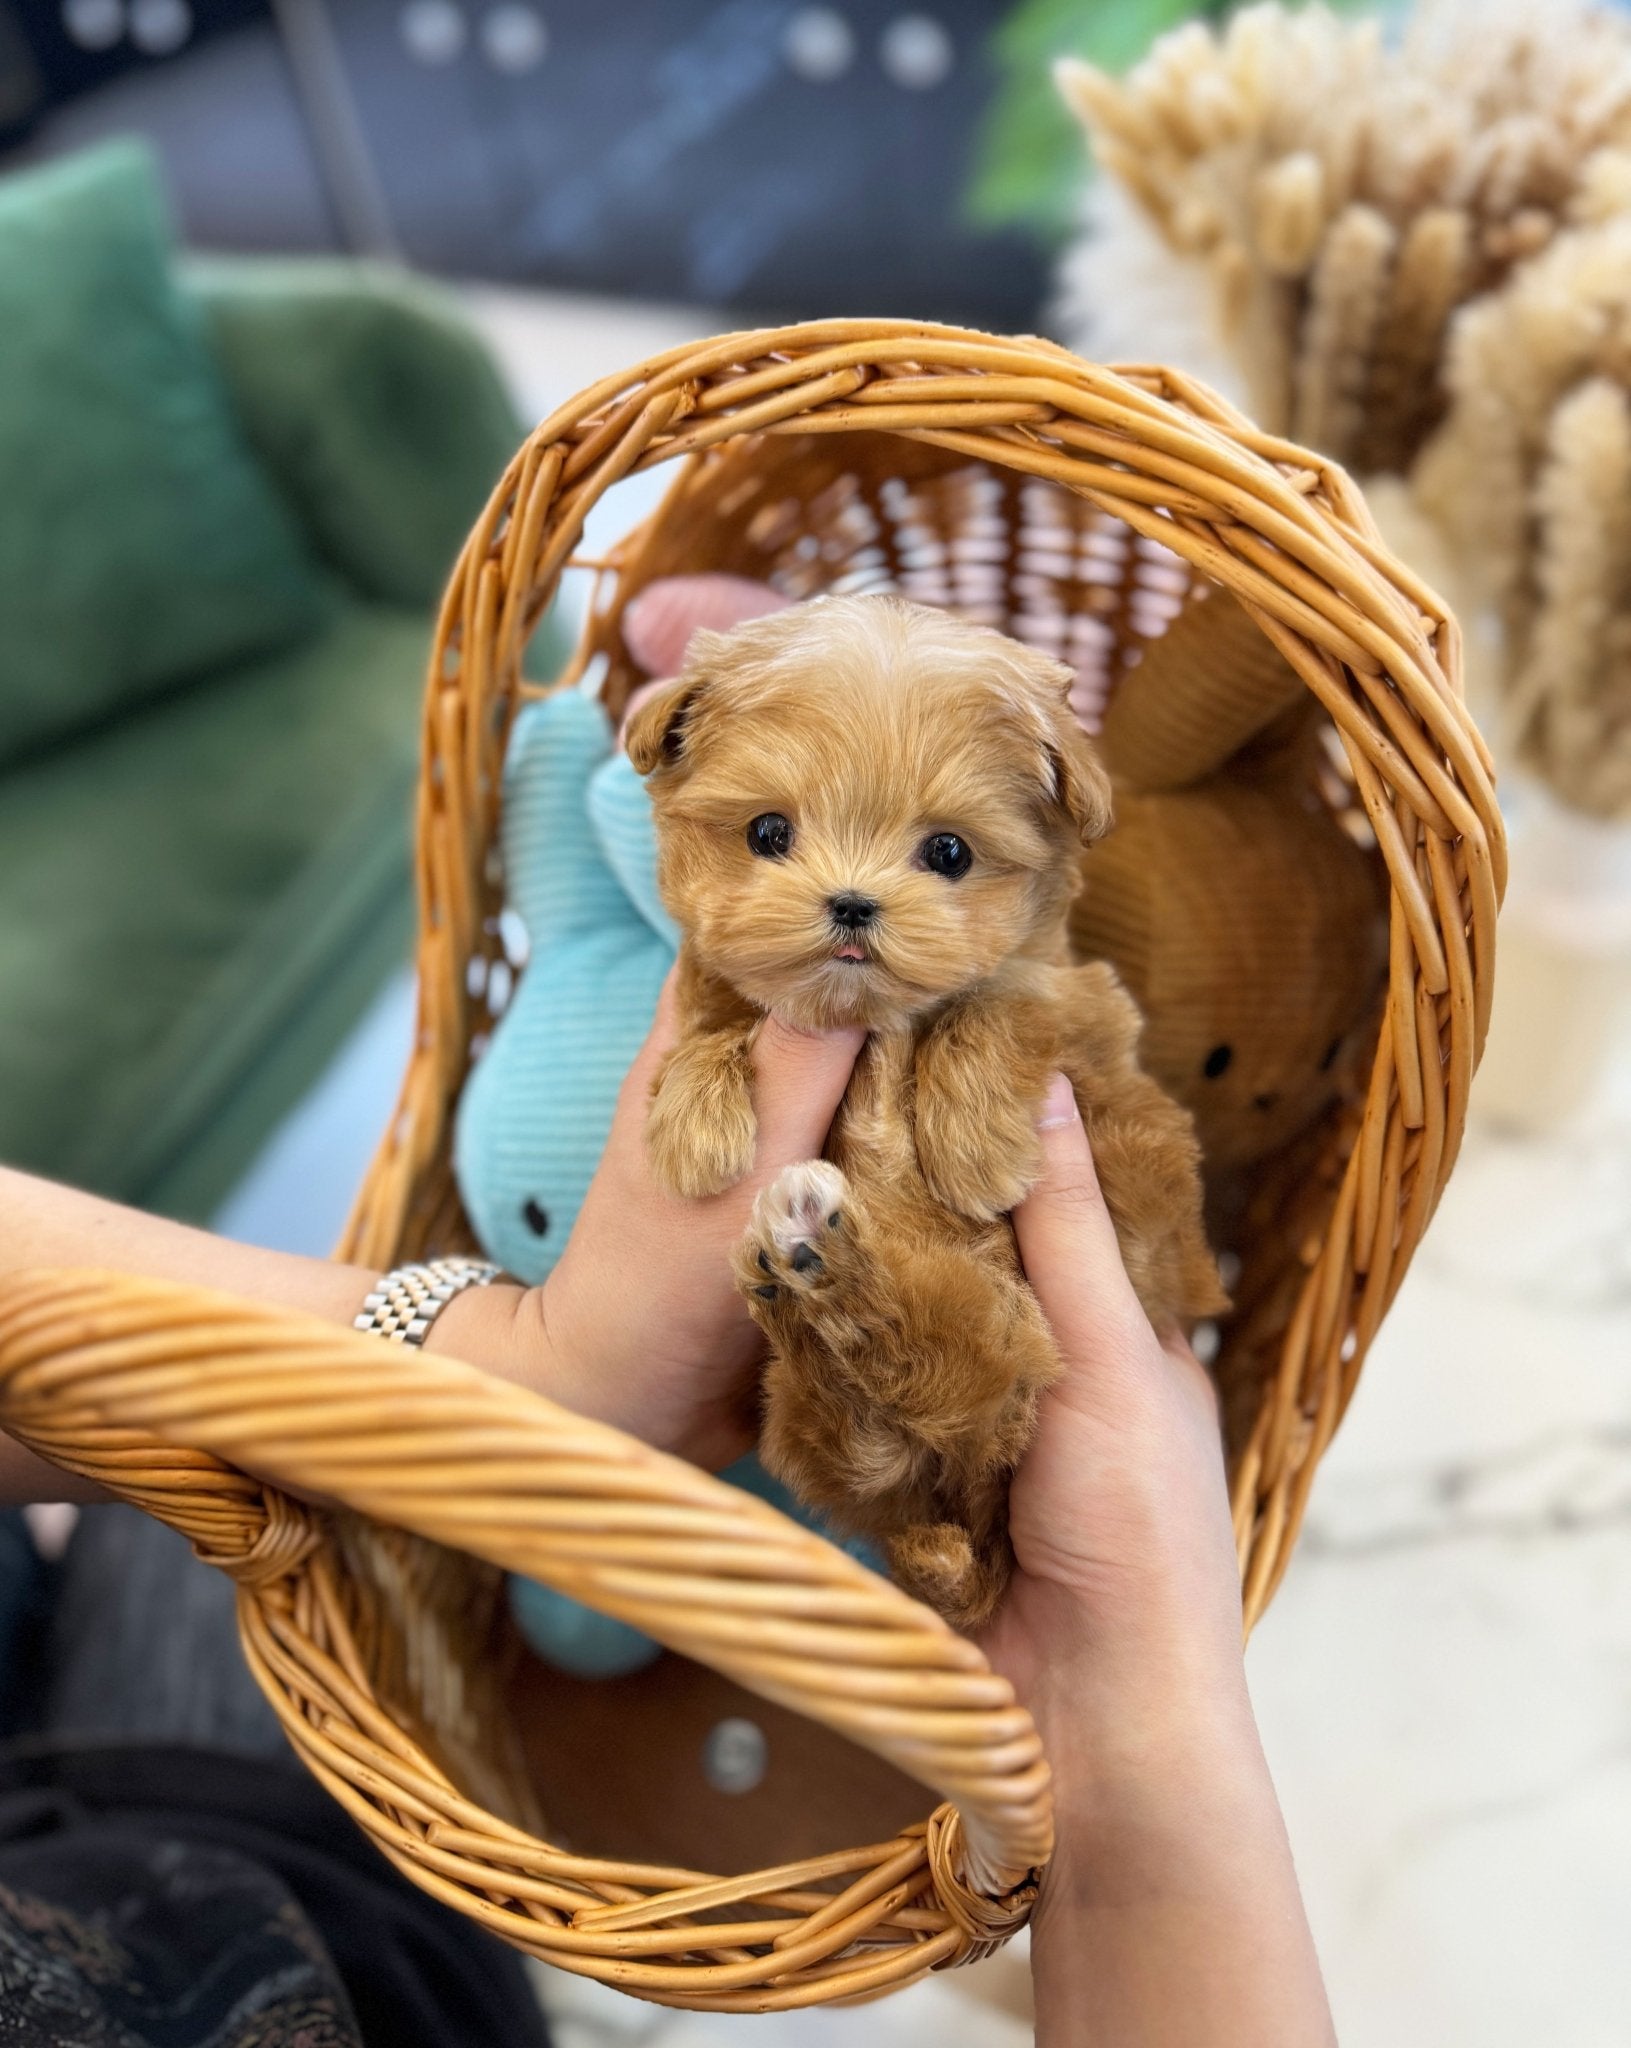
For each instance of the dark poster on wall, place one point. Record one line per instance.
(51, 51)
(761, 154)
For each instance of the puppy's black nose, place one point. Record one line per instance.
(852, 911)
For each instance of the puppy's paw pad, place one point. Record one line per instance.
(796, 1221)
(796, 1215)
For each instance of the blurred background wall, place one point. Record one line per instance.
(761, 154)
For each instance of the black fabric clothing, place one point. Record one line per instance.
(159, 1896)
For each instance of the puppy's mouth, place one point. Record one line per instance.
(852, 951)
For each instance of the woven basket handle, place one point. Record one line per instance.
(170, 1396)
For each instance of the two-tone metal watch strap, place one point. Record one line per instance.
(408, 1299)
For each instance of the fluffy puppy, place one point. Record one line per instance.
(871, 813)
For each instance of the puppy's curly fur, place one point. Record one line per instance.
(808, 771)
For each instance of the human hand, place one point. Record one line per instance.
(640, 1324)
(1170, 1911)
(1122, 1625)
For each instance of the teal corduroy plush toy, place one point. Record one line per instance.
(580, 862)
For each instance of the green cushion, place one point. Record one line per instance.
(377, 410)
(181, 895)
(140, 545)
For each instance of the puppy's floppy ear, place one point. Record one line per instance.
(656, 731)
(1080, 781)
(1073, 775)
(656, 734)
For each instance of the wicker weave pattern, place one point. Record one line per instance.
(110, 1376)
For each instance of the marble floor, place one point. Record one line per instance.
(1444, 1682)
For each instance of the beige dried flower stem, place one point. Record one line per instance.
(1529, 480)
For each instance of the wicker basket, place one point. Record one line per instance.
(1065, 502)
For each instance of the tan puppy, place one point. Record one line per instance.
(870, 813)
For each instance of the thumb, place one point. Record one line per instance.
(799, 1078)
(1067, 1241)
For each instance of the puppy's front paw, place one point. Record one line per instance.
(801, 1234)
(980, 1074)
(700, 1129)
(981, 1160)
(936, 1563)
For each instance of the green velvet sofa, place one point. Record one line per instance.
(205, 875)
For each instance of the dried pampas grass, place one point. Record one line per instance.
(1529, 480)
(1332, 198)
(1123, 295)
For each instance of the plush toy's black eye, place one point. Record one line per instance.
(1217, 1061)
(1331, 1052)
(946, 854)
(534, 1217)
(770, 836)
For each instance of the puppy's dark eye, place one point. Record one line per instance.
(946, 854)
(770, 836)
(1217, 1061)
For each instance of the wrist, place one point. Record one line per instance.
(541, 1348)
(1146, 1802)
(1132, 1696)
(505, 1329)
(528, 1335)
(496, 1327)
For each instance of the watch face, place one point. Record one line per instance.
(761, 154)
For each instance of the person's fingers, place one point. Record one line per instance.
(1067, 1242)
(799, 1078)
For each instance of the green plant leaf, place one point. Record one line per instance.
(1031, 159)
